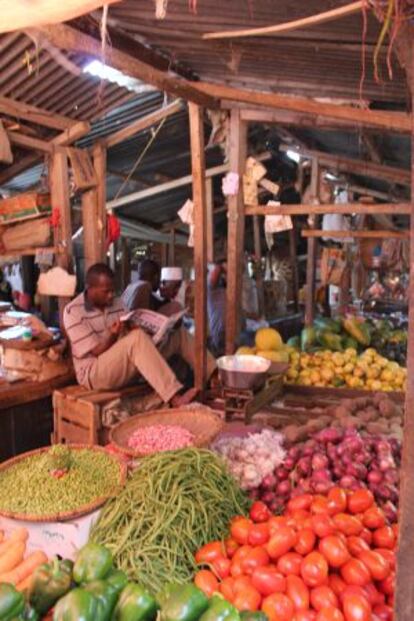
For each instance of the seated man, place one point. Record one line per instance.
(103, 358)
(171, 281)
(140, 294)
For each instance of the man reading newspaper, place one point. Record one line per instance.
(107, 355)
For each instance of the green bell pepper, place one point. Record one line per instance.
(29, 614)
(11, 602)
(183, 603)
(118, 579)
(94, 562)
(51, 581)
(135, 604)
(247, 615)
(77, 605)
(220, 610)
(106, 596)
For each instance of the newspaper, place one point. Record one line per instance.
(156, 325)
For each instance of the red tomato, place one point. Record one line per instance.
(240, 583)
(259, 512)
(299, 515)
(336, 501)
(389, 555)
(239, 529)
(303, 501)
(248, 599)
(290, 563)
(259, 534)
(210, 552)
(241, 553)
(256, 557)
(268, 580)
(305, 615)
(356, 608)
(323, 525)
(207, 582)
(322, 597)
(395, 528)
(373, 595)
(334, 550)
(378, 566)
(356, 545)
(337, 585)
(314, 569)
(278, 607)
(319, 505)
(373, 518)
(387, 586)
(355, 572)
(306, 541)
(384, 537)
(298, 592)
(330, 613)
(353, 590)
(281, 542)
(366, 535)
(231, 546)
(347, 524)
(383, 612)
(361, 500)
(227, 589)
(221, 567)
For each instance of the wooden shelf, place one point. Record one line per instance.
(357, 234)
(29, 251)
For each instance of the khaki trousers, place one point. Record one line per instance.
(181, 342)
(131, 356)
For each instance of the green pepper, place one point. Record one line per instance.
(247, 615)
(184, 603)
(135, 604)
(77, 605)
(118, 579)
(94, 562)
(29, 614)
(221, 610)
(50, 582)
(106, 596)
(11, 602)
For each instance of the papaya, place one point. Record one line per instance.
(327, 324)
(294, 341)
(307, 338)
(329, 340)
(359, 330)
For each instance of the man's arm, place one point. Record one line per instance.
(115, 331)
(214, 276)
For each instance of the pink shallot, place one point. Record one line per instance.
(156, 438)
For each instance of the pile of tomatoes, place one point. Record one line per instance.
(328, 558)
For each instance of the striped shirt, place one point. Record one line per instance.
(87, 327)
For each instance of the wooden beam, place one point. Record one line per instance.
(316, 233)
(176, 183)
(68, 38)
(235, 231)
(171, 249)
(404, 594)
(312, 250)
(140, 124)
(94, 213)
(355, 166)
(200, 245)
(289, 117)
(304, 22)
(294, 265)
(99, 162)
(210, 219)
(392, 121)
(258, 256)
(346, 209)
(18, 167)
(20, 110)
(72, 134)
(28, 142)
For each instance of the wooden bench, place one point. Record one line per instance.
(77, 412)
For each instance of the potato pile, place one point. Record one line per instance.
(377, 415)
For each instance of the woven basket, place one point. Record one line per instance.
(202, 422)
(66, 515)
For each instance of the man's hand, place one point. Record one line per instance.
(116, 328)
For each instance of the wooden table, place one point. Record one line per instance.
(26, 414)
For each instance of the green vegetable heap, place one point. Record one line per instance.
(175, 502)
(28, 486)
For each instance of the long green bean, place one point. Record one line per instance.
(175, 502)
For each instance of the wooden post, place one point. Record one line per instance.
(210, 219)
(312, 252)
(200, 242)
(171, 253)
(259, 272)
(404, 596)
(294, 264)
(125, 263)
(60, 200)
(235, 231)
(94, 212)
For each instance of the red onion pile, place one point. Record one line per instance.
(336, 457)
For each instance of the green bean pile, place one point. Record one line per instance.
(28, 486)
(175, 502)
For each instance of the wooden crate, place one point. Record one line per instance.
(77, 412)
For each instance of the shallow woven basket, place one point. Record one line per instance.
(65, 515)
(202, 422)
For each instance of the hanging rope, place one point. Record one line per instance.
(141, 157)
